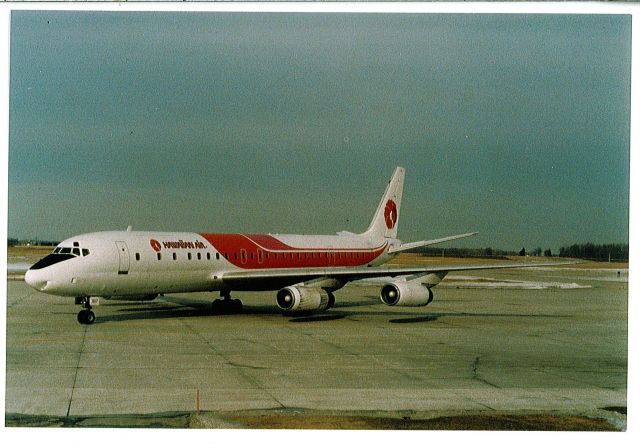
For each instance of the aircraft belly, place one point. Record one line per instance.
(262, 284)
(182, 281)
(147, 283)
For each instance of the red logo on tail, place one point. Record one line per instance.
(390, 214)
(155, 244)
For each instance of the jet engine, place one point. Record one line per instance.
(405, 294)
(299, 298)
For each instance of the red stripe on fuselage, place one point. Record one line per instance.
(268, 242)
(266, 251)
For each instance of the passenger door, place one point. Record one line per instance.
(123, 257)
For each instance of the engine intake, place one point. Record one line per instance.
(298, 298)
(405, 294)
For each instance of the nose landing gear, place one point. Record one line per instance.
(85, 316)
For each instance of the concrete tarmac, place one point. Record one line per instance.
(490, 343)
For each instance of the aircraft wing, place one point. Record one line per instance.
(408, 246)
(269, 279)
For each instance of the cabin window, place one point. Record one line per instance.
(251, 255)
(235, 255)
(217, 256)
(137, 256)
(175, 256)
(199, 256)
(226, 255)
(243, 255)
(259, 256)
(208, 256)
(85, 252)
(189, 256)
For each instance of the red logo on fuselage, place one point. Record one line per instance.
(390, 214)
(156, 245)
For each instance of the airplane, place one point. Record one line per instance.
(305, 270)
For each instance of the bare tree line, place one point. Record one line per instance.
(586, 251)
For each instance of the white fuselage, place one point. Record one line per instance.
(136, 263)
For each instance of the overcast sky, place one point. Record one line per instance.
(516, 126)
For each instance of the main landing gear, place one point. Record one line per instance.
(226, 305)
(85, 316)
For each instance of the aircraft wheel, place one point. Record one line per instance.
(216, 306)
(86, 317)
(226, 306)
(90, 317)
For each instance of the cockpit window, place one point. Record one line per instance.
(61, 254)
(68, 250)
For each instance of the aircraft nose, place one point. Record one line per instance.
(35, 279)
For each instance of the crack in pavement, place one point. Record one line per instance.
(477, 377)
(75, 376)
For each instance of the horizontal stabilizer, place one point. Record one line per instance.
(409, 246)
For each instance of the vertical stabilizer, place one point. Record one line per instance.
(385, 221)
